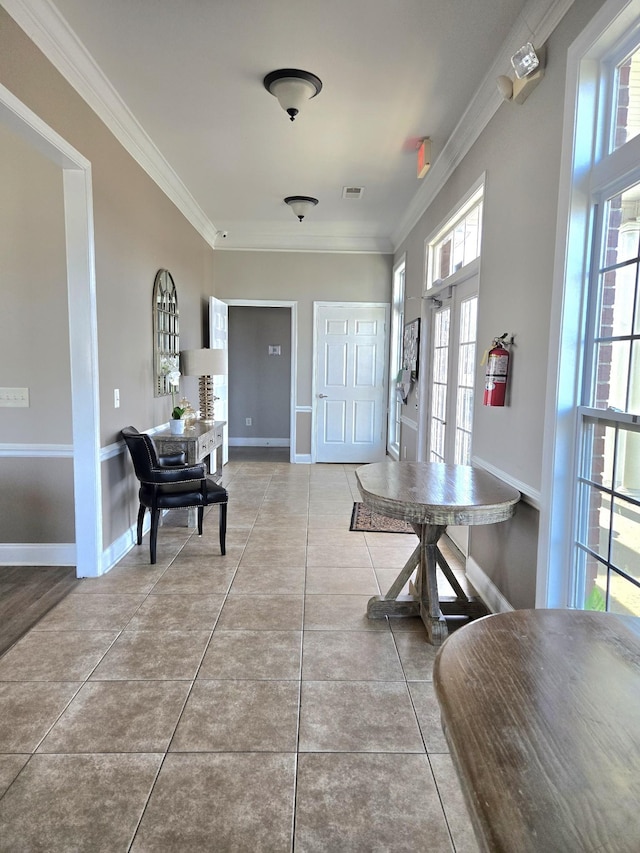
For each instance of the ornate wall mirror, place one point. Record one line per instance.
(166, 339)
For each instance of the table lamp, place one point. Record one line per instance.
(205, 363)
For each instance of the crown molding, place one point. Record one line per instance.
(44, 25)
(49, 31)
(535, 23)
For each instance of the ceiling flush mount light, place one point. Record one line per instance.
(292, 88)
(301, 204)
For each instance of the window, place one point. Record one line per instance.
(457, 244)
(590, 537)
(395, 358)
(607, 559)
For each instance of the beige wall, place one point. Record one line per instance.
(137, 231)
(305, 278)
(520, 153)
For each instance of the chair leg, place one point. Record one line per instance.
(141, 513)
(155, 518)
(200, 517)
(223, 528)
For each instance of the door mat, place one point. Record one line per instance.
(364, 519)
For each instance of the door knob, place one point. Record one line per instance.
(322, 396)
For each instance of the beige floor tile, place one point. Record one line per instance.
(454, 805)
(253, 655)
(119, 716)
(338, 555)
(357, 716)
(55, 656)
(350, 655)
(175, 612)
(329, 520)
(195, 577)
(98, 802)
(366, 803)
(122, 580)
(91, 612)
(416, 655)
(10, 766)
(278, 537)
(262, 612)
(333, 581)
(239, 716)
(166, 655)
(340, 612)
(269, 579)
(428, 712)
(27, 711)
(391, 556)
(320, 536)
(263, 554)
(241, 802)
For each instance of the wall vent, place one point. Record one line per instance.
(352, 192)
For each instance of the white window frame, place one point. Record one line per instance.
(474, 198)
(398, 289)
(586, 166)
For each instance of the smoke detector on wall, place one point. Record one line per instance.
(352, 192)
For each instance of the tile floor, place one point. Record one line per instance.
(237, 703)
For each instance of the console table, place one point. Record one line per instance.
(200, 442)
(540, 709)
(431, 495)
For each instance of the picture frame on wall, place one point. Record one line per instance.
(411, 348)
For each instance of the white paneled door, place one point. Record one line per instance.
(350, 381)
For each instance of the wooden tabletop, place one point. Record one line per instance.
(542, 713)
(435, 493)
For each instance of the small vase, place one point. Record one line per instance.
(176, 426)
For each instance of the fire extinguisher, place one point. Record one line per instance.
(497, 373)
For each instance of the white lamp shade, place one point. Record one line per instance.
(204, 362)
(292, 92)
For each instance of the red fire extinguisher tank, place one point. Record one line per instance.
(497, 373)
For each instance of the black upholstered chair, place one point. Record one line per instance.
(167, 482)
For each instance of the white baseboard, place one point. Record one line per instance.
(303, 459)
(259, 442)
(38, 554)
(486, 589)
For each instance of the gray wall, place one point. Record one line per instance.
(520, 152)
(259, 384)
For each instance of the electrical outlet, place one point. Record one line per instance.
(248, 422)
(14, 397)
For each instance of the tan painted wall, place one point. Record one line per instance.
(137, 231)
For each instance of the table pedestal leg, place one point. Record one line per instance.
(424, 600)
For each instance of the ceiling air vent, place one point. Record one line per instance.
(352, 192)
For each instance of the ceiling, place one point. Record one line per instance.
(191, 74)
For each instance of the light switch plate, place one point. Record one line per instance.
(15, 397)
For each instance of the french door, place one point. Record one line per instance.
(453, 361)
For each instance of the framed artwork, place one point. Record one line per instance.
(411, 348)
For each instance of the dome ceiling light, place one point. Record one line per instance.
(292, 88)
(301, 204)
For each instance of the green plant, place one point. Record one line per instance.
(177, 413)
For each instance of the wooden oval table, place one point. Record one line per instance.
(431, 495)
(541, 709)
